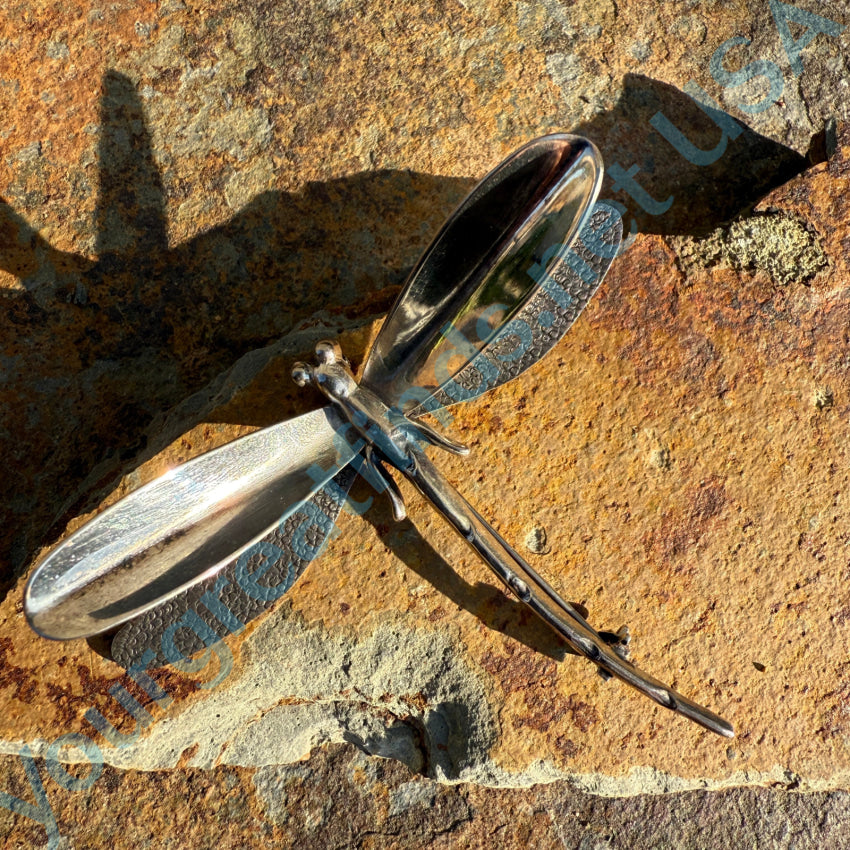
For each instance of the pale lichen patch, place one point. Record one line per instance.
(773, 242)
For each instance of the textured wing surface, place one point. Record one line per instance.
(478, 272)
(247, 587)
(569, 284)
(182, 527)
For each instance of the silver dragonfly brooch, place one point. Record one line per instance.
(195, 554)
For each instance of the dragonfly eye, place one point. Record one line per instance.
(327, 352)
(302, 374)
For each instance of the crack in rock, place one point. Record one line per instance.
(404, 694)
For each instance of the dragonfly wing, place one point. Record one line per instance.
(479, 271)
(541, 322)
(183, 527)
(247, 587)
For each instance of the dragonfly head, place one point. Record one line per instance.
(331, 374)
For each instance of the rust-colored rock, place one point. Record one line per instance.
(194, 196)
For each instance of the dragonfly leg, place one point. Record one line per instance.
(618, 641)
(435, 438)
(389, 483)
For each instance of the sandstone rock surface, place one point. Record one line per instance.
(193, 196)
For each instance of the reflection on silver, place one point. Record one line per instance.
(538, 198)
(504, 279)
(182, 527)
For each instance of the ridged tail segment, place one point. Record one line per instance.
(530, 588)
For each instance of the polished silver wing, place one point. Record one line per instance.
(501, 253)
(184, 527)
(570, 282)
(246, 587)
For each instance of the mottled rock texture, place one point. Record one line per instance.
(341, 798)
(194, 194)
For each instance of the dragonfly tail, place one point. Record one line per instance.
(529, 587)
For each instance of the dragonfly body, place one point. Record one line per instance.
(390, 437)
(384, 429)
(501, 283)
